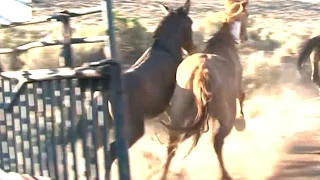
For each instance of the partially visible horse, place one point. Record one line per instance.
(208, 85)
(149, 84)
(311, 48)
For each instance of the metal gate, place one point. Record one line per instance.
(52, 121)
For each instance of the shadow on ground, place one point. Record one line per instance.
(303, 158)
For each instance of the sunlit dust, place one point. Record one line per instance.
(276, 109)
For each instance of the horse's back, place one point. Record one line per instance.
(219, 68)
(187, 67)
(221, 84)
(151, 81)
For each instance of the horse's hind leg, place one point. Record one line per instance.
(240, 123)
(171, 151)
(314, 58)
(223, 132)
(241, 99)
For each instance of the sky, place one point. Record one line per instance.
(14, 11)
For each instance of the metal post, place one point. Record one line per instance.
(117, 108)
(67, 54)
(110, 30)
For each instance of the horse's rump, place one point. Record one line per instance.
(201, 90)
(189, 108)
(200, 77)
(202, 96)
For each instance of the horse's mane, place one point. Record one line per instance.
(165, 19)
(156, 33)
(220, 38)
(221, 35)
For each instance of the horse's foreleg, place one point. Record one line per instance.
(171, 151)
(136, 133)
(163, 117)
(133, 128)
(223, 132)
(241, 99)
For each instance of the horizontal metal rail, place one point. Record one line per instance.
(92, 70)
(45, 43)
(56, 16)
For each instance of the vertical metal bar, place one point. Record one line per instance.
(2, 123)
(67, 52)
(90, 117)
(106, 128)
(19, 137)
(11, 135)
(44, 95)
(14, 113)
(85, 132)
(5, 143)
(53, 87)
(72, 118)
(110, 30)
(37, 124)
(63, 124)
(32, 101)
(29, 133)
(94, 127)
(3, 138)
(24, 128)
(120, 141)
(102, 128)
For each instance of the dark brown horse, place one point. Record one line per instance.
(312, 49)
(208, 85)
(149, 84)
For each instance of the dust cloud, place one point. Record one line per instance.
(277, 107)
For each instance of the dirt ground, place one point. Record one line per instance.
(282, 139)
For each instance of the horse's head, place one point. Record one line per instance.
(177, 24)
(237, 17)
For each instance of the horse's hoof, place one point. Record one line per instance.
(240, 124)
(163, 177)
(229, 178)
(226, 178)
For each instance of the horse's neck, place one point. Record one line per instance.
(167, 45)
(159, 62)
(170, 45)
(221, 44)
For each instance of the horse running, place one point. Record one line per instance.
(149, 84)
(312, 49)
(207, 87)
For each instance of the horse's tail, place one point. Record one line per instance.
(307, 49)
(202, 96)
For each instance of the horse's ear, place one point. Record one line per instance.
(186, 6)
(164, 9)
(244, 3)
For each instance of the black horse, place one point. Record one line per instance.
(149, 84)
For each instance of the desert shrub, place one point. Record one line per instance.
(132, 40)
(204, 28)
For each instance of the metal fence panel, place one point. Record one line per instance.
(55, 127)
